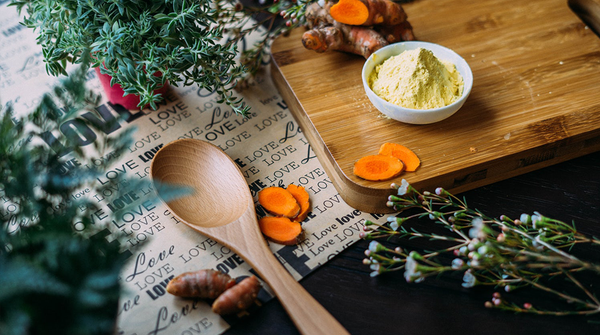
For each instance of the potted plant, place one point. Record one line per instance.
(142, 45)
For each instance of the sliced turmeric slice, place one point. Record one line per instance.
(303, 199)
(407, 156)
(353, 12)
(280, 229)
(368, 12)
(279, 201)
(378, 167)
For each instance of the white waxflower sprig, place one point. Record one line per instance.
(503, 253)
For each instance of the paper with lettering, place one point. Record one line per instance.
(267, 145)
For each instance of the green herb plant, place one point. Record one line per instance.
(141, 44)
(58, 272)
(508, 254)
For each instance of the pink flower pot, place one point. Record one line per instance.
(115, 93)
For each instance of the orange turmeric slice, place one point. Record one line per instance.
(407, 156)
(378, 167)
(279, 201)
(303, 199)
(353, 12)
(280, 229)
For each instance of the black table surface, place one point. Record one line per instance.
(387, 304)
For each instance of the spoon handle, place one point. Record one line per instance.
(308, 315)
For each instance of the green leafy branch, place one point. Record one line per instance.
(60, 275)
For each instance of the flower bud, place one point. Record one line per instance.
(375, 246)
(525, 218)
(501, 237)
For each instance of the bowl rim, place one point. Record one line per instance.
(468, 84)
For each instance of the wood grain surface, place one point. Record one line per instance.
(535, 100)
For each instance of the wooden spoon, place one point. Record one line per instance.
(221, 207)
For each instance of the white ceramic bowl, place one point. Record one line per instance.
(409, 115)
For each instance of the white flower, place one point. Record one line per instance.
(393, 222)
(403, 189)
(477, 230)
(535, 219)
(483, 250)
(411, 264)
(457, 263)
(525, 218)
(410, 270)
(374, 246)
(469, 279)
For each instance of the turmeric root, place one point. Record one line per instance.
(368, 12)
(207, 284)
(407, 156)
(357, 40)
(326, 33)
(397, 33)
(278, 201)
(378, 167)
(280, 229)
(303, 199)
(317, 16)
(237, 298)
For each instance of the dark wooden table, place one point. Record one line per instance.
(387, 304)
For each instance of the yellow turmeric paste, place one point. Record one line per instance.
(417, 79)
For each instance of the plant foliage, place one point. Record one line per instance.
(509, 254)
(133, 40)
(58, 273)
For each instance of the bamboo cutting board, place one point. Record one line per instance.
(535, 99)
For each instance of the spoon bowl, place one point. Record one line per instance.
(221, 207)
(220, 191)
